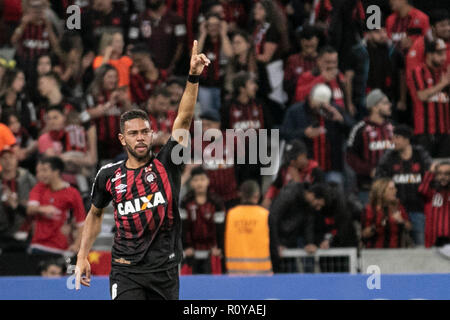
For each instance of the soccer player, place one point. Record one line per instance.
(144, 190)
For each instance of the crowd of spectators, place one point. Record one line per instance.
(363, 116)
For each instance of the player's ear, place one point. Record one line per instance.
(122, 139)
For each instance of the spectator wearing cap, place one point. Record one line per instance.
(323, 126)
(221, 173)
(429, 89)
(144, 75)
(440, 28)
(406, 165)
(303, 61)
(369, 140)
(16, 184)
(297, 167)
(246, 112)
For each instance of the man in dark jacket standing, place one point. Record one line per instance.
(406, 165)
(323, 127)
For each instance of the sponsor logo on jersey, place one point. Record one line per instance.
(117, 177)
(121, 188)
(140, 204)
(407, 178)
(438, 200)
(381, 145)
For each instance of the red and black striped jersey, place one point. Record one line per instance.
(244, 116)
(413, 25)
(367, 143)
(202, 223)
(34, 42)
(431, 116)
(145, 201)
(388, 233)
(189, 10)
(437, 210)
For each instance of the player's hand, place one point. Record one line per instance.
(50, 211)
(82, 273)
(189, 252)
(216, 252)
(312, 132)
(198, 61)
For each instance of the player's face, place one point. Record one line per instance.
(439, 58)
(137, 138)
(8, 161)
(45, 173)
(200, 183)
(443, 175)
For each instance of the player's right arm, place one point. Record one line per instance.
(91, 229)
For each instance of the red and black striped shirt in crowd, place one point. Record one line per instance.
(431, 116)
(202, 223)
(213, 74)
(145, 201)
(437, 211)
(236, 12)
(162, 124)
(367, 143)
(413, 25)
(310, 174)
(388, 233)
(189, 10)
(107, 126)
(237, 115)
(34, 42)
(141, 88)
(296, 65)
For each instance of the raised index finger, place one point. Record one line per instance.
(194, 48)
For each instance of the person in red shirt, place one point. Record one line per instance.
(435, 189)
(53, 202)
(326, 72)
(385, 219)
(440, 28)
(406, 24)
(429, 88)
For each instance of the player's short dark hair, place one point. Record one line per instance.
(130, 115)
(198, 171)
(248, 189)
(57, 108)
(308, 32)
(326, 49)
(55, 163)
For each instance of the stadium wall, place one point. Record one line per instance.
(283, 287)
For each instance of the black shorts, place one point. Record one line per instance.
(161, 285)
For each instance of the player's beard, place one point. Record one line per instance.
(136, 155)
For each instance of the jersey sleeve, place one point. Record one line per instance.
(34, 198)
(165, 155)
(100, 197)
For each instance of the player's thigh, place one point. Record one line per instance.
(163, 285)
(124, 287)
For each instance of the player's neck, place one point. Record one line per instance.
(58, 184)
(403, 12)
(200, 198)
(406, 153)
(134, 163)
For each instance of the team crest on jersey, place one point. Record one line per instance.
(140, 204)
(150, 177)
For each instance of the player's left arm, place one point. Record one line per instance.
(189, 98)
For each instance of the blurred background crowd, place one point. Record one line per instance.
(363, 118)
